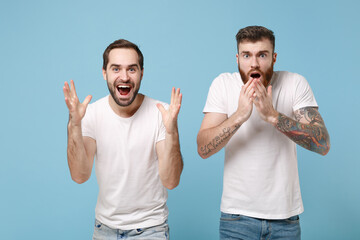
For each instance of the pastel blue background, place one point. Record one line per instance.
(186, 44)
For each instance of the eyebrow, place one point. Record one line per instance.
(248, 52)
(119, 65)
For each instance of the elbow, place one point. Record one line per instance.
(326, 150)
(203, 156)
(79, 180)
(171, 185)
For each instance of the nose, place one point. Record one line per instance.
(254, 62)
(124, 75)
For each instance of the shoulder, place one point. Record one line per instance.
(227, 79)
(285, 78)
(150, 103)
(288, 75)
(99, 104)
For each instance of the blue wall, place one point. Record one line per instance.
(186, 44)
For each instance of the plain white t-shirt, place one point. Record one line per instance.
(260, 170)
(131, 194)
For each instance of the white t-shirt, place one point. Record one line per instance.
(260, 173)
(131, 194)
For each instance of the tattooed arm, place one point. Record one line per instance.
(215, 132)
(308, 130)
(217, 129)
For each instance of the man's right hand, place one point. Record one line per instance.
(245, 105)
(76, 109)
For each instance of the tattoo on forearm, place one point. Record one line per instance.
(310, 136)
(214, 143)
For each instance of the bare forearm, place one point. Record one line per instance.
(171, 167)
(312, 137)
(76, 155)
(212, 140)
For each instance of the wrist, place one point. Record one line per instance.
(72, 125)
(273, 118)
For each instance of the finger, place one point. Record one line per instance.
(68, 104)
(250, 89)
(248, 84)
(178, 97)
(269, 91)
(161, 108)
(87, 100)
(172, 96)
(261, 87)
(72, 90)
(66, 90)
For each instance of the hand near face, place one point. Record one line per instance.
(263, 102)
(245, 104)
(169, 116)
(76, 109)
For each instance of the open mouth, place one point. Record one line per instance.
(123, 89)
(255, 75)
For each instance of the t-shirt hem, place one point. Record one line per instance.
(146, 224)
(264, 215)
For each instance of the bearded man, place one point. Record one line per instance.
(259, 116)
(135, 141)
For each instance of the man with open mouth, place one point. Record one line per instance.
(259, 116)
(135, 142)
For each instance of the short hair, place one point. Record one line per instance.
(122, 43)
(254, 34)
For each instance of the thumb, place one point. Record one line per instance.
(161, 108)
(87, 100)
(269, 91)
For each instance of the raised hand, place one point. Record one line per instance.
(169, 116)
(245, 104)
(263, 102)
(76, 109)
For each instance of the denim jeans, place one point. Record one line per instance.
(235, 226)
(103, 232)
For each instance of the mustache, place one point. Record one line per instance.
(118, 81)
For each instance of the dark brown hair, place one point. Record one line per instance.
(122, 43)
(254, 34)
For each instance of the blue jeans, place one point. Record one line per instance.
(235, 226)
(103, 232)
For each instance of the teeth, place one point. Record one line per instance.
(123, 87)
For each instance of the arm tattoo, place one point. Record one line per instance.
(312, 135)
(215, 142)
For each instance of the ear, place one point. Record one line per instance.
(104, 73)
(237, 58)
(142, 74)
(274, 58)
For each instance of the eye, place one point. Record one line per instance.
(115, 69)
(132, 69)
(263, 55)
(246, 56)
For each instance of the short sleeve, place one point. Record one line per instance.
(162, 130)
(88, 123)
(304, 96)
(216, 99)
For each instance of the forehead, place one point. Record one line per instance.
(123, 56)
(258, 46)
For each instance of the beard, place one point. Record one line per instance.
(122, 103)
(266, 76)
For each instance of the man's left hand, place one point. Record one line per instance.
(169, 116)
(263, 103)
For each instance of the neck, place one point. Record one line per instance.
(127, 111)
